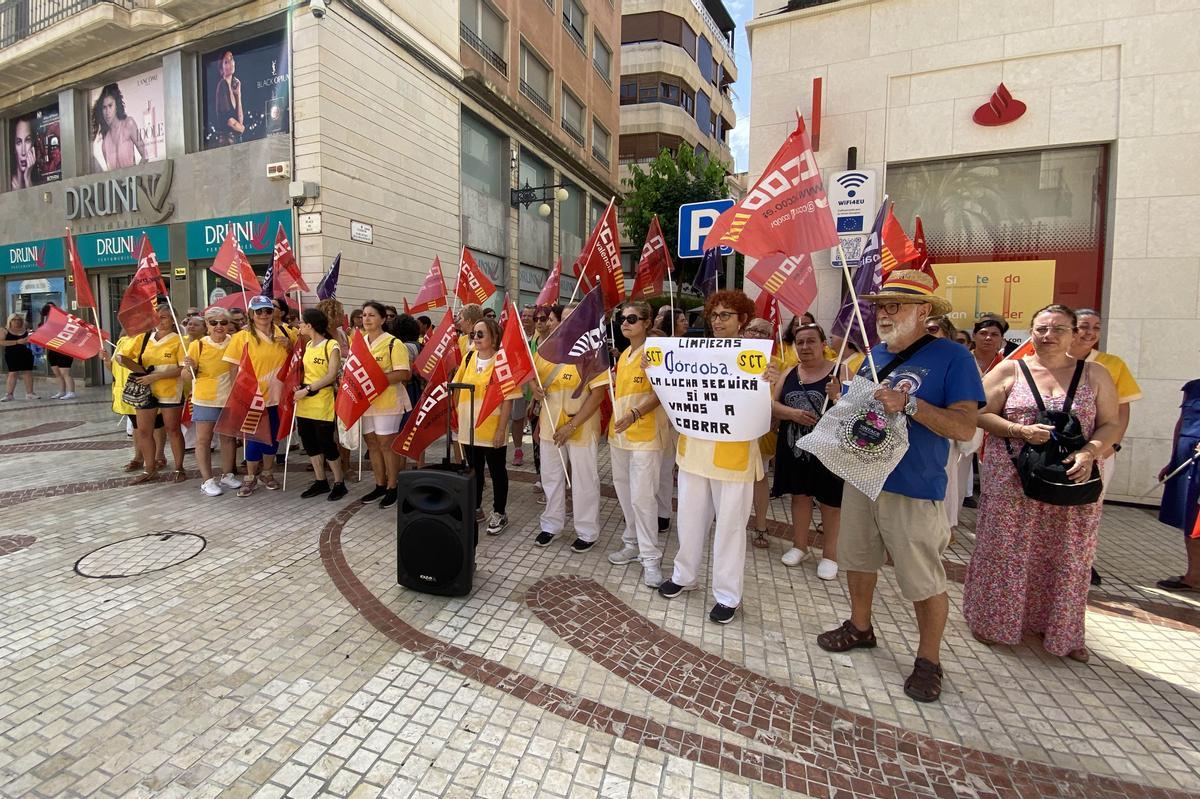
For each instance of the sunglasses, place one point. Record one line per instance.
(263, 310)
(215, 322)
(631, 319)
(477, 334)
(542, 317)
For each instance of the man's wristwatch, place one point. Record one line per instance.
(910, 407)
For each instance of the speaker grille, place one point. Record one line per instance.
(431, 552)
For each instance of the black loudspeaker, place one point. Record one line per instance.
(435, 530)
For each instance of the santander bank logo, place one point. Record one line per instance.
(1000, 110)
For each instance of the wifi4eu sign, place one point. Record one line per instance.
(853, 199)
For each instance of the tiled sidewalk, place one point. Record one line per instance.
(278, 657)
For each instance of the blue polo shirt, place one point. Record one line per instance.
(942, 373)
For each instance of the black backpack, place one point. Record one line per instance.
(1040, 466)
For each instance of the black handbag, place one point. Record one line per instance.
(1040, 466)
(134, 394)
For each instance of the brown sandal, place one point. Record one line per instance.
(133, 466)
(846, 637)
(1080, 655)
(925, 682)
(760, 539)
(178, 476)
(144, 477)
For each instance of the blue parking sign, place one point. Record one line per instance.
(695, 220)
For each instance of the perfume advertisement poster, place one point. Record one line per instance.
(126, 123)
(36, 156)
(246, 91)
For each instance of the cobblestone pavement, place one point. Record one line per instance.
(157, 642)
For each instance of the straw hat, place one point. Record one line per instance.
(910, 285)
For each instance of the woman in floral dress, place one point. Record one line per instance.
(1031, 567)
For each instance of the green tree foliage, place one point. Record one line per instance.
(668, 182)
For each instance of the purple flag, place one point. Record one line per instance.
(328, 286)
(706, 277)
(867, 280)
(268, 281)
(579, 340)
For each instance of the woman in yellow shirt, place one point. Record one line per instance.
(210, 389)
(314, 405)
(636, 444)
(269, 345)
(383, 419)
(489, 435)
(154, 359)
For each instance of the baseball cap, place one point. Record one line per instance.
(260, 301)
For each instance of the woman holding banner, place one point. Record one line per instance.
(716, 483)
(269, 345)
(382, 421)
(210, 388)
(636, 443)
(314, 405)
(154, 359)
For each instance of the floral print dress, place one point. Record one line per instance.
(1031, 568)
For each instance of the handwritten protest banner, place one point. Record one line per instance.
(712, 388)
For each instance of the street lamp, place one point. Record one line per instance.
(527, 195)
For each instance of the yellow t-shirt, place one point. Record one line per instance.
(854, 362)
(1128, 389)
(159, 353)
(785, 358)
(560, 406)
(632, 386)
(732, 461)
(214, 375)
(316, 366)
(120, 375)
(265, 356)
(391, 355)
(469, 371)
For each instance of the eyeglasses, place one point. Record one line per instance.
(932, 328)
(477, 334)
(1057, 330)
(631, 319)
(889, 308)
(215, 322)
(542, 317)
(258, 311)
(724, 316)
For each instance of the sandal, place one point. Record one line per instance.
(132, 466)
(760, 539)
(144, 477)
(1080, 655)
(982, 640)
(178, 476)
(248, 487)
(269, 482)
(846, 637)
(925, 682)
(161, 463)
(1177, 584)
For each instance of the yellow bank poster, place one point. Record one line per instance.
(1013, 288)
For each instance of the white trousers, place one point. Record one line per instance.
(635, 476)
(666, 476)
(700, 502)
(585, 489)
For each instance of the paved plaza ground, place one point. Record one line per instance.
(261, 647)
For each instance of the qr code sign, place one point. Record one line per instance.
(852, 246)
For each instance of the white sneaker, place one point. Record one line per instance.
(7, 398)
(68, 395)
(56, 395)
(796, 556)
(537, 486)
(626, 554)
(231, 481)
(496, 523)
(827, 569)
(32, 396)
(652, 574)
(211, 487)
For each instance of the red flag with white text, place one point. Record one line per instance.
(245, 411)
(83, 290)
(139, 307)
(786, 211)
(290, 376)
(427, 422)
(512, 367)
(654, 265)
(433, 291)
(473, 286)
(790, 280)
(362, 381)
(922, 263)
(767, 307)
(600, 262)
(552, 290)
(442, 343)
(233, 265)
(68, 334)
(287, 271)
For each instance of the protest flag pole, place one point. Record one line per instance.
(178, 330)
(360, 449)
(857, 313)
(288, 448)
(538, 378)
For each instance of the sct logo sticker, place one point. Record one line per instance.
(752, 362)
(654, 355)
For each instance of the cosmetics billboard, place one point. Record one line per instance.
(126, 122)
(246, 91)
(36, 157)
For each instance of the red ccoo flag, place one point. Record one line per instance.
(284, 266)
(553, 289)
(767, 307)
(139, 308)
(433, 291)
(600, 262)
(68, 334)
(473, 284)
(83, 290)
(896, 248)
(441, 344)
(511, 369)
(786, 211)
(233, 265)
(290, 375)
(654, 265)
(789, 280)
(362, 381)
(245, 412)
(921, 262)
(427, 422)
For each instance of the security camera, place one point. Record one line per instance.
(319, 7)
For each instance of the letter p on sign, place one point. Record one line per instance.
(695, 220)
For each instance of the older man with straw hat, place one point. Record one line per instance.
(933, 382)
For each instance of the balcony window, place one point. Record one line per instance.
(572, 116)
(647, 94)
(703, 113)
(629, 92)
(482, 27)
(535, 80)
(687, 102)
(669, 93)
(575, 21)
(602, 58)
(601, 143)
(704, 57)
